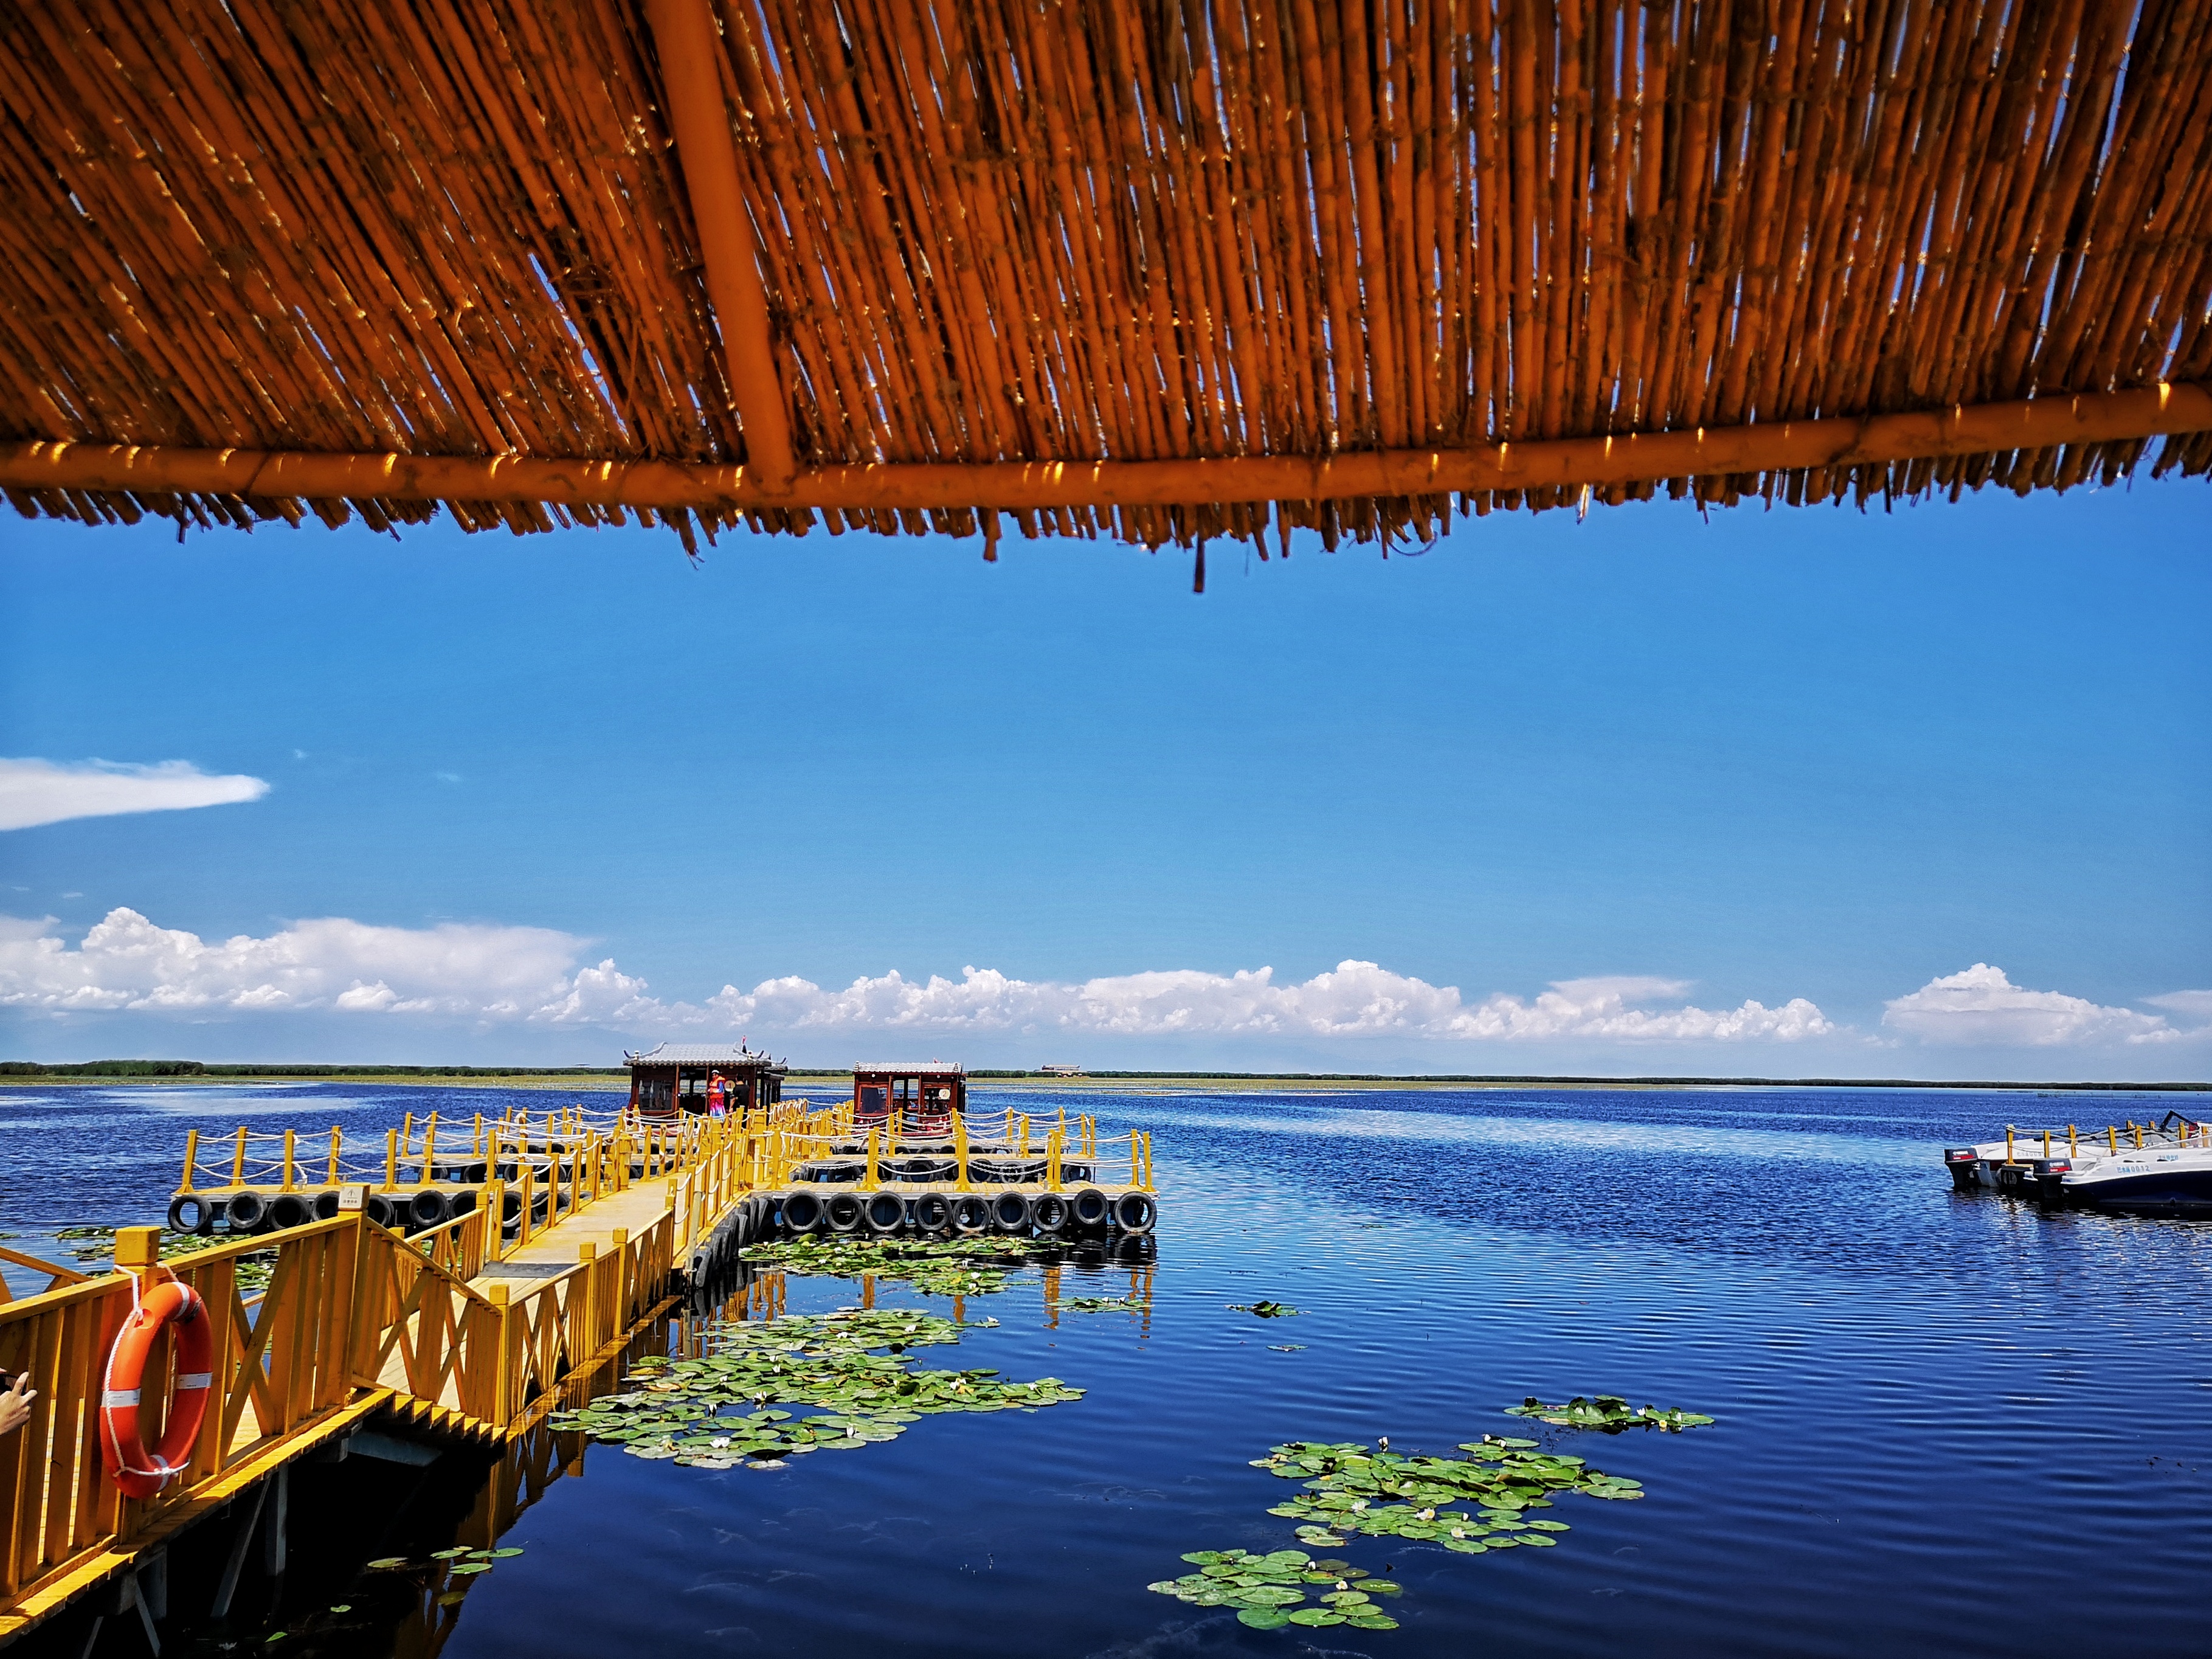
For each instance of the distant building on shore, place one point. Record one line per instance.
(1059, 1071)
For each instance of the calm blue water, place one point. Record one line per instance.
(1946, 1422)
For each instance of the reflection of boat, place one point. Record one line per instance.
(2162, 1166)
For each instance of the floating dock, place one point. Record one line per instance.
(456, 1279)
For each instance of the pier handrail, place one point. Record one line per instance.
(355, 1319)
(56, 1272)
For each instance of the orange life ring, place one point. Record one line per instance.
(137, 1472)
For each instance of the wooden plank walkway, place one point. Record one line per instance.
(628, 1212)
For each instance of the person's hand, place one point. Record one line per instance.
(15, 1404)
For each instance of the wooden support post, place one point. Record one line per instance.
(503, 1390)
(289, 1159)
(618, 1242)
(588, 1283)
(337, 1141)
(138, 1252)
(191, 1160)
(238, 1159)
(496, 1227)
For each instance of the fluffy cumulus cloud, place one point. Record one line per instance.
(1355, 1000)
(1980, 1007)
(488, 975)
(35, 792)
(125, 962)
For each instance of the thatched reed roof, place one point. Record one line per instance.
(772, 260)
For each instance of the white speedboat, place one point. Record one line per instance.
(2165, 1166)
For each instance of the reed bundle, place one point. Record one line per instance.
(1038, 231)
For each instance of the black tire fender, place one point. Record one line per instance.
(427, 1208)
(933, 1212)
(1090, 1207)
(290, 1210)
(971, 1214)
(190, 1213)
(245, 1213)
(883, 1213)
(1135, 1212)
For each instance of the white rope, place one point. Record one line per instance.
(110, 1395)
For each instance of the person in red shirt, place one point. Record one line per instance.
(715, 1090)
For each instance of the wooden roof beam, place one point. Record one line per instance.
(1978, 429)
(690, 47)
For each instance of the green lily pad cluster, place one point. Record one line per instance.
(1269, 1591)
(1100, 1304)
(952, 1267)
(1472, 1505)
(459, 1562)
(1607, 1413)
(1264, 1309)
(693, 1411)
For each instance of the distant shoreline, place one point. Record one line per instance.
(604, 1079)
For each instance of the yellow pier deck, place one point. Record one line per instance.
(556, 1243)
(356, 1321)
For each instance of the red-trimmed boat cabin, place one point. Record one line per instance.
(677, 1078)
(926, 1094)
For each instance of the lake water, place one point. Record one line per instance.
(1946, 1422)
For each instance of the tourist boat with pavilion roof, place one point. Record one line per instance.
(674, 1078)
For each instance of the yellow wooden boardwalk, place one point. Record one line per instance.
(455, 1330)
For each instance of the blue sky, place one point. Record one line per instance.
(1811, 759)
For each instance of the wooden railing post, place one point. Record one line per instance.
(586, 1320)
(503, 1392)
(618, 1242)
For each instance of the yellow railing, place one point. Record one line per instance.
(355, 1318)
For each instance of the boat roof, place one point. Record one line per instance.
(695, 1054)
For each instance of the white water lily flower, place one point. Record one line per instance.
(1459, 1531)
(1428, 1514)
(720, 1442)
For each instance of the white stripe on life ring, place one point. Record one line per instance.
(118, 1397)
(194, 1379)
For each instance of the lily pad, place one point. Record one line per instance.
(1262, 1618)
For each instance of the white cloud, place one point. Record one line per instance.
(125, 962)
(1357, 999)
(505, 974)
(1980, 1007)
(2195, 1004)
(35, 792)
